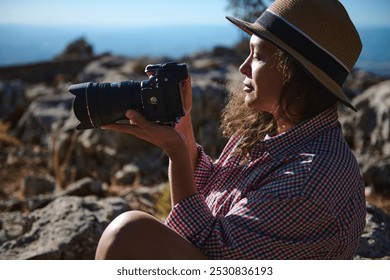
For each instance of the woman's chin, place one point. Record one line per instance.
(256, 105)
(250, 100)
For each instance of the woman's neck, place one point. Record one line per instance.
(283, 125)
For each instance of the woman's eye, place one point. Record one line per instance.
(257, 57)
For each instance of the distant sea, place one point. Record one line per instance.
(29, 44)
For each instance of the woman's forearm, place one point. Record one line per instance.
(186, 130)
(181, 176)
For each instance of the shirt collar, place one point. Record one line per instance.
(297, 136)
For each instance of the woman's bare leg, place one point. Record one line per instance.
(137, 235)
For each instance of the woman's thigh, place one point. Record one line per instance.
(137, 235)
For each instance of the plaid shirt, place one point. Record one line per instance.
(300, 196)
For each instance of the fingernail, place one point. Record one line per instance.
(129, 114)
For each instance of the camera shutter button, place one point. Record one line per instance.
(153, 100)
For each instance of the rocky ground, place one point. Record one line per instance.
(59, 188)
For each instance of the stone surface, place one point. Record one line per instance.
(128, 175)
(370, 132)
(67, 228)
(33, 185)
(43, 117)
(13, 99)
(85, 187)
(375, 240)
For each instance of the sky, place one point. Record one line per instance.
(124, 13)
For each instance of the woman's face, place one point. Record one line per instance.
(263, 81)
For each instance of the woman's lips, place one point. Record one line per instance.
(248, 88)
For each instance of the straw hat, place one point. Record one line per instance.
(318, 33)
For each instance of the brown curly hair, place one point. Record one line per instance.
(302, 97)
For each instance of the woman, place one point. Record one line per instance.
(286, 186)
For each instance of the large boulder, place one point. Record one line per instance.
(375, 240)
(43, 119)
(78, 49)
(67, 228)
(369, 128)
(359, 80)
(13, 100)
(368, 133)
(376, 174)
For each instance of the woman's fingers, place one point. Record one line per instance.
(186, 94)
(160, 135)
(125, 128)
(135, 118)
(136, 126)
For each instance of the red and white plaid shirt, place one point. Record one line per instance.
(300, 196)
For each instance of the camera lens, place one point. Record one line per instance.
(97, 104)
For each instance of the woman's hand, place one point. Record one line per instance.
(185, 125)
(186, 95)
(164, 136)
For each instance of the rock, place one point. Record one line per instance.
(129, 174)
(376, 174)
(39, 201)
(208, 97)
(33, 185)
(43, 117)
(11, 204)
(371, 123)
(67, 228)
(13, 100)
(85, 187)
(144, 197)
(13, 225)
(368, 133)
(37, 90)
(105, 69)
(78, 49)
(375, 240)
(358, 81)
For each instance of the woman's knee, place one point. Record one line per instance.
(123, 234)
(138, 235)
(129, 223)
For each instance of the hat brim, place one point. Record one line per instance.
(318, 74)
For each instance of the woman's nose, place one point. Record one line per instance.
(245, 68)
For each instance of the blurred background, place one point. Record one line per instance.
(38, 30)
(60, 187)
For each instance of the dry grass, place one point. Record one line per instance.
(380, 202)
(6, 138)
(163, 203)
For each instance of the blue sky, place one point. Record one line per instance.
(122, 13)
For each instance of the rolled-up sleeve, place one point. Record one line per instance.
(203, 170)
(190, 216)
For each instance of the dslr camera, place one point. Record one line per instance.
(157, 98)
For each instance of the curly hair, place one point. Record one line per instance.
(302, 97)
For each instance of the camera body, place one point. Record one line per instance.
(157, 98)
(160, 94)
